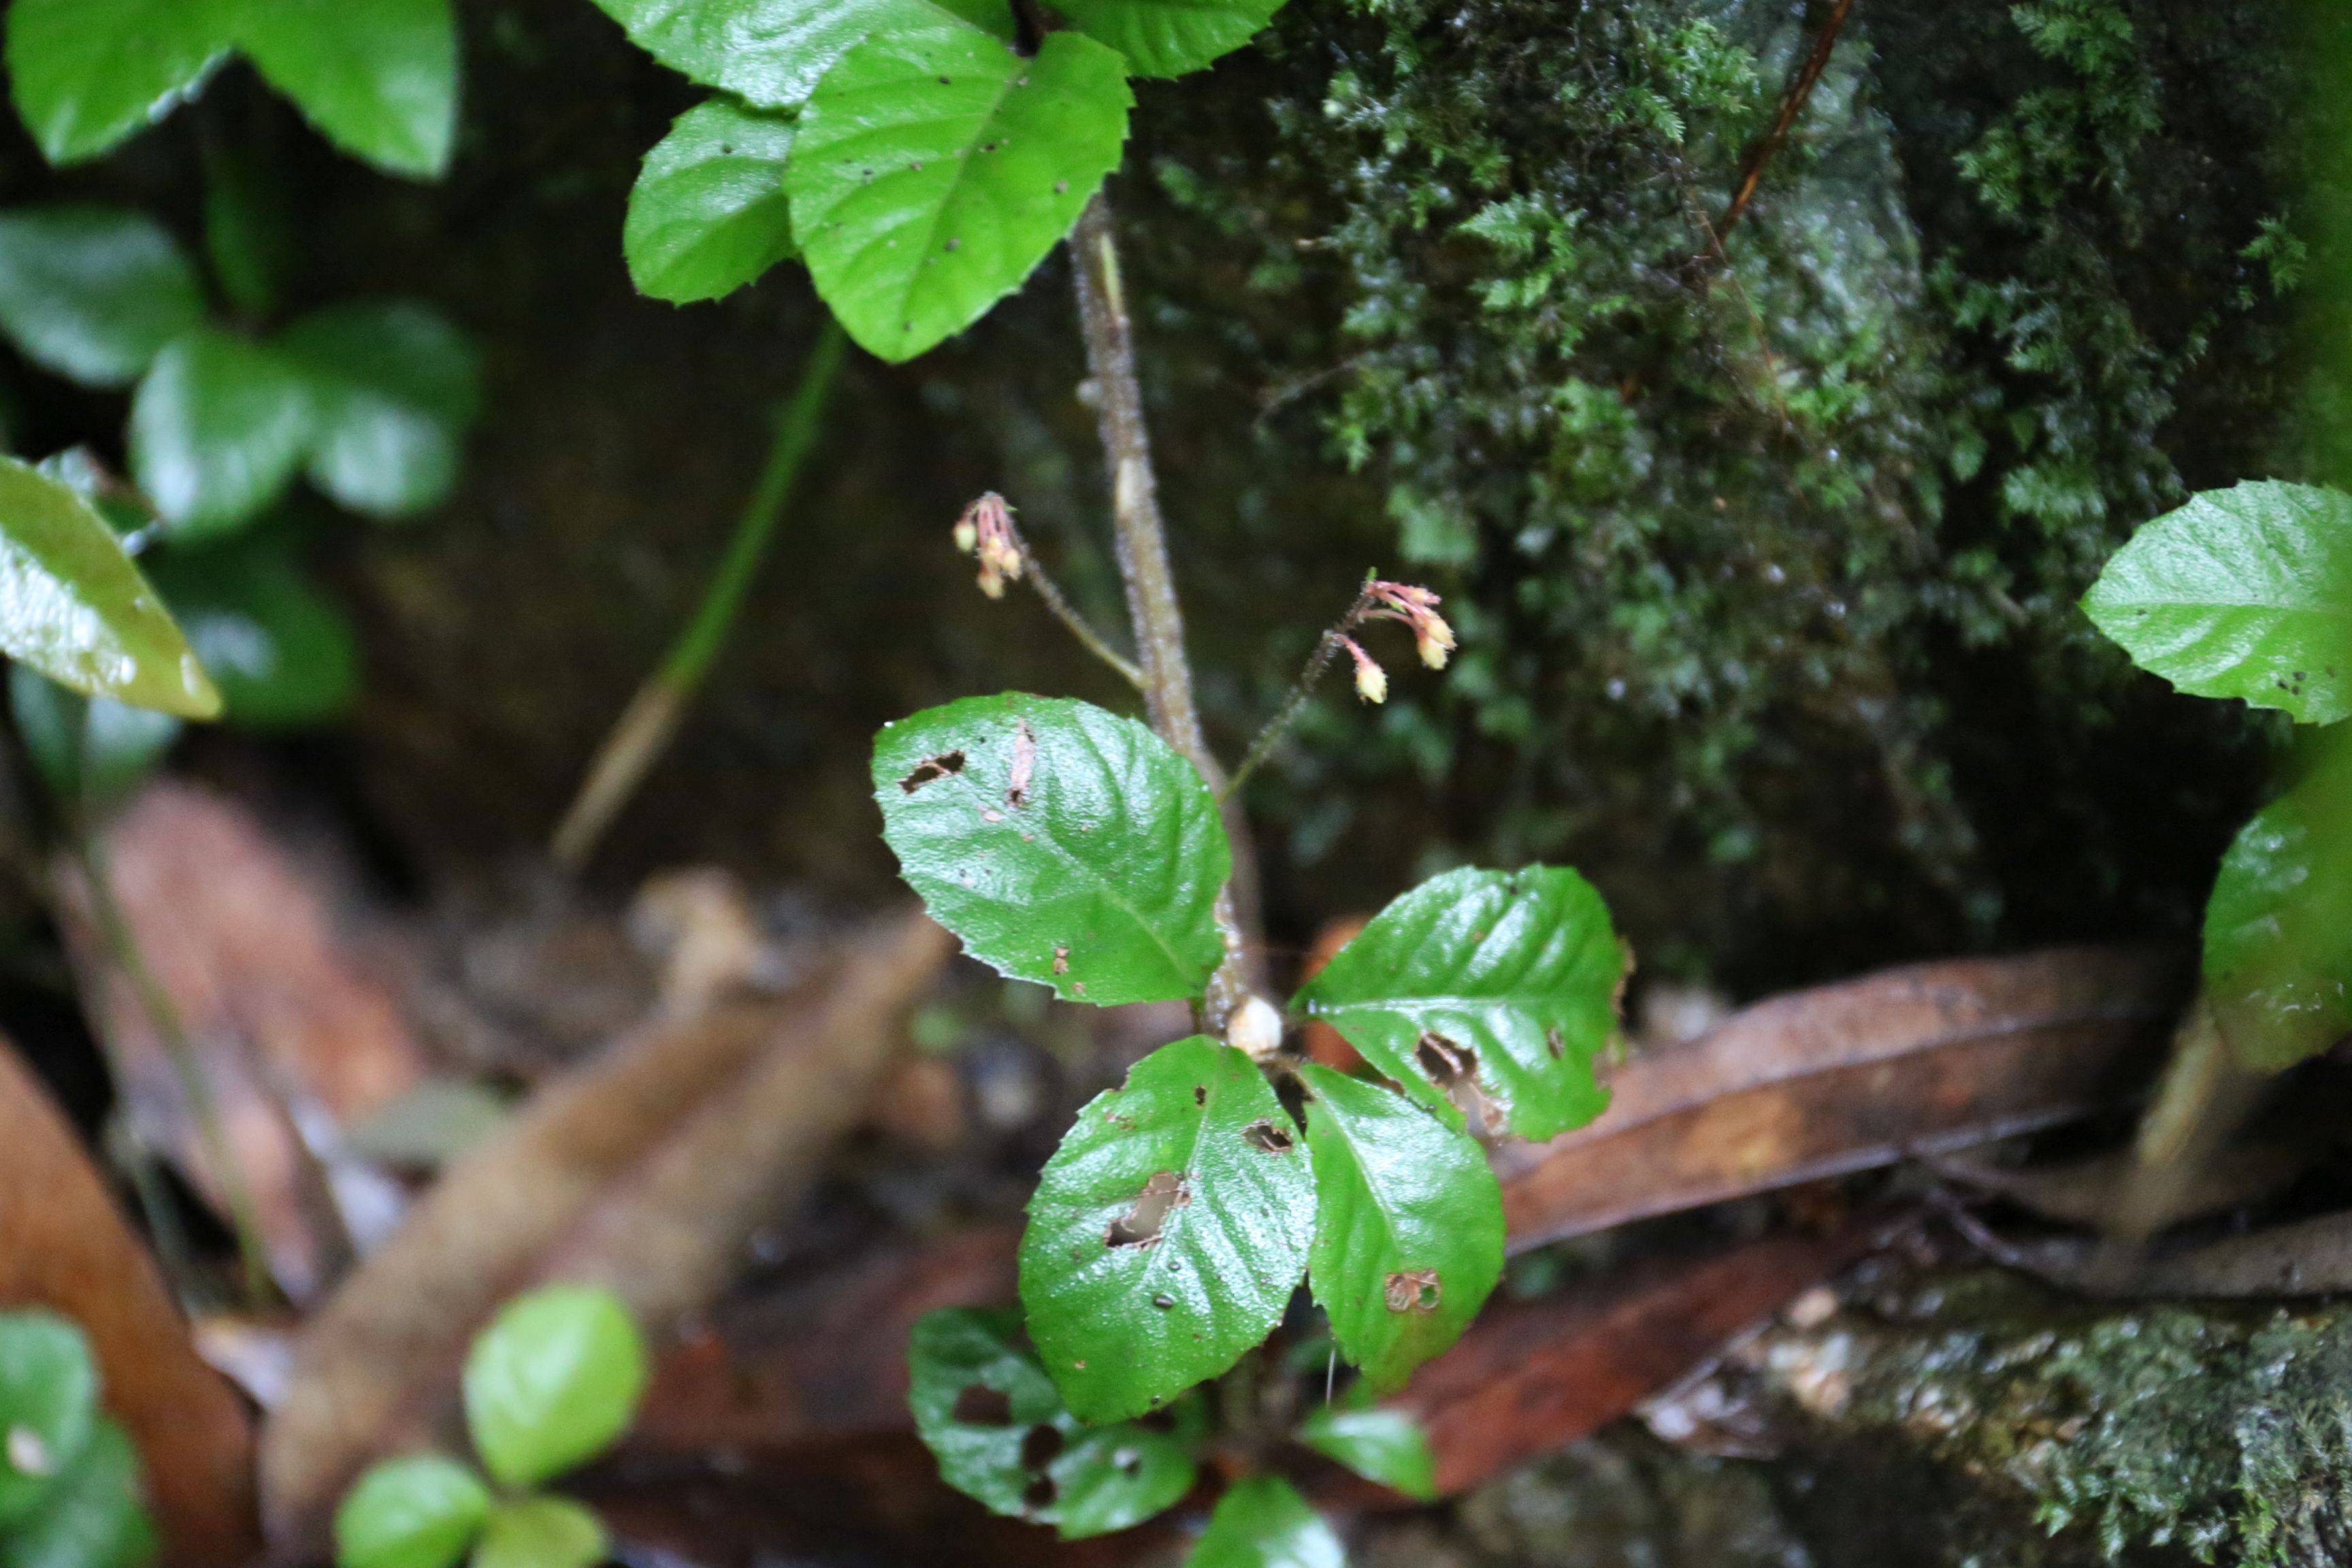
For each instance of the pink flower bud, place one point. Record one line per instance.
(1371, 681)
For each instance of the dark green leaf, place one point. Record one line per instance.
(1384, 1446)
(1168, 37)
(2278, 927)
(88, 73)
(48, 1407)
(93, 293)
(249, 224)
(1509, 978)
(935, 167)
(282, 654)
(377, 78)
(1002, 1436)
(420, 1511)
(90, 752)
(392, 387)
(769, 53)
(1167, 1232)
(1408, 1225)
(92, 1518)
(1262, 1522)
(1064, 844)
(541, 1532)
(552, 1382)
(74, 607)
(708, 214)
(218, 430)
(2242, 592)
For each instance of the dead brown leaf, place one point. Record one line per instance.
(1904, 1063)
(644, 1171)
(293, 1039)
(63, 1246)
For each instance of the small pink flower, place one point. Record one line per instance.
(985, 529)
(1371, 681)
(1417, 608)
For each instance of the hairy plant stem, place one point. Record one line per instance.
(1327, 648)
(646, 726)
(1142, 552)
(1034, 572)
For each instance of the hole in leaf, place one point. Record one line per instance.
(945, 765)
(1025, 757)
(1041, 1493)
(1412, 1290)
(1139, 1226)
(1266, 1137)
(1200, 1094)
(1446, 1063)
(980, 1405)
(1040, 1448)
(1061, 960)
(1552, 1041)
(1127, 1461)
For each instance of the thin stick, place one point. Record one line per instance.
(1034, 572)
(645, 728)
(122, 947)
(1142, 552)
(1792, 104)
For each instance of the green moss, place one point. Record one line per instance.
(2223, 1434)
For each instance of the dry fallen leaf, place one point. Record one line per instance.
(644, 1171)
(293, 1039)
(63, 1246)
(1907, 1062)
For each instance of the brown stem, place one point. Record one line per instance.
(1142, 550)
(1792, 104)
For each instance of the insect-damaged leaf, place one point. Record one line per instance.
(1167, 1232)
(1408, 1225)
(1002, 1435)
(1506, 978)
(934, 168)
(1064, 844)
(2241, 593)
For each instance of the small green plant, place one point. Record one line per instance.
(552, 1382)
(69, 1484)
(2246, 593)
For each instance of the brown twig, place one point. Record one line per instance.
(1792, 104)
(1143, 551)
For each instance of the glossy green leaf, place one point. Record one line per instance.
(708, 214)
(1064, 844)
(935, 168)
(769, 53)
(74, 607)
(1384, 1446)
(392, 387)
(1262, 1522)
(283, 655)
(1167, 1232)
(218, 430)
(377, 78)
(93, 1517)
(2278, 926)
(93, 293)
(90, 752)
(1002, 1435)
(541, 1532)
(48, 1407)
(86, 73)
(2242, 592)
(1168, 37)
(1408, 1225)
(1507, 977)
(552, 1382)
(420, 1511)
